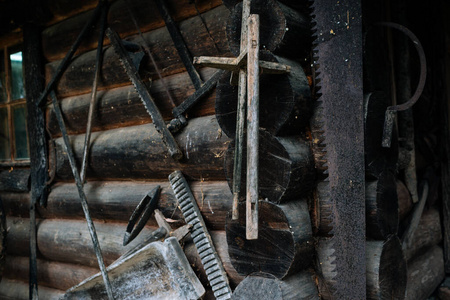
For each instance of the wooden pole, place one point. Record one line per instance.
(252, 127)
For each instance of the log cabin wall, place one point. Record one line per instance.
(128, 159)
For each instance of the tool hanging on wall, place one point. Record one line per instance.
(210, 259)
(202, 88)
(102, 9)
(130, 68)
(248, 66)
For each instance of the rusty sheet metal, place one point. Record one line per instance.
(338, 61)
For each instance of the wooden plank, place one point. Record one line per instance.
(78, 77)
(115, 106)
(146, 14)
(137, 152)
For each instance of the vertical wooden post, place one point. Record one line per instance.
(240, 116)
(252, 127)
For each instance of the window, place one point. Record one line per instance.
(13, 114)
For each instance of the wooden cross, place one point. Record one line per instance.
(247, 68)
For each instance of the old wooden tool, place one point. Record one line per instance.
(211, 261)
(160, 270)
(142, 212)
(147, 100)
(248, 66)
(82, 195)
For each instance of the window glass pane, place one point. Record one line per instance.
(3, 95)
(20, 132)
(17, 87)
(5, 152)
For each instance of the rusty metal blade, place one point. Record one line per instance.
(338, 47)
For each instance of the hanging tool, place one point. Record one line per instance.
(338, 129)
(246, 67)
(147, 100)
(202, 240)
(81, 193)
(143, 211)
(392, 110)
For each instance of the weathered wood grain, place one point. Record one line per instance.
(15, 180)
(56, 275)
(137, 152)
(122, 106)
(284, 243)
(116, 201)
(286, 167)
(264, 286)
(78, 77)
(425, 273)
(145, 12)
(18, 290)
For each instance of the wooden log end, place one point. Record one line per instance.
(284, 243)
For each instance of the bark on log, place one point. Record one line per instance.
(116, 201)
(286, 169)
(122, 106)
(283, 30)
(16, 180)
(18, 290)
(264, 286)
(138, 152)
(56, 275)
(68, 241)
(382, 212)
(79, 75)
(385, 269)
(425, 273)
(285, 100)
(145, 12)
(284, 243)
(427, 234)
(378, 158)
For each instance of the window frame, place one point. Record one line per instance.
(9, 105)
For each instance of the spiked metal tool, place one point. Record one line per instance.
(202, 240)
(248, 66)
(339, 131)
(147, 100)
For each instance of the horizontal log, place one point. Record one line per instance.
(284, 243)
(116, 201)
(15, 180)
(385, 269)
(68, 241)
(56, 275)
(122, 106)
(283, 30)
(18, 290)
(427, 234)
(284, 103)
(138, 152)
(266, 286)
(425, 273)
(79, 75)
(286, 169)
(145, 12)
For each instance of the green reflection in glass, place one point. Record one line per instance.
(5, 152)
(3, 95)
(17, 87)
(20, 132)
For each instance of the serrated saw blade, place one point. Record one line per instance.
(144, 95)
(338, 134)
